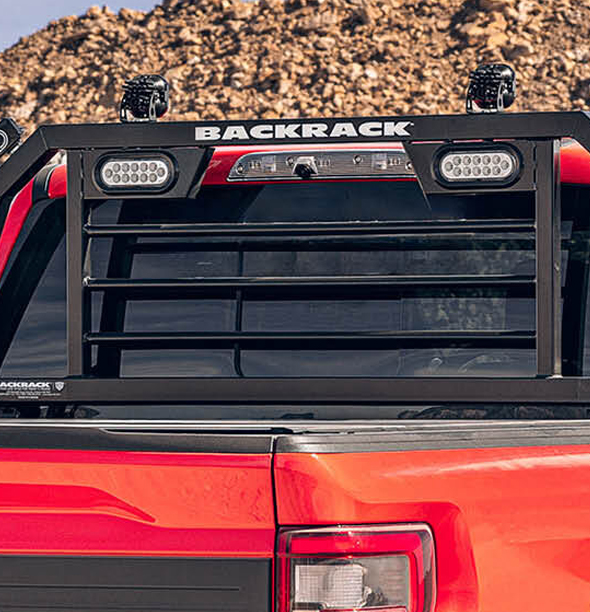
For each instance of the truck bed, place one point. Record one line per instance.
(178, 516)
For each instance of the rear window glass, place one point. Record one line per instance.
(314, 279)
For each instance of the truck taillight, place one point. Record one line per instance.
(382, 568)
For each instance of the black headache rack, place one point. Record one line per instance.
(534, 140)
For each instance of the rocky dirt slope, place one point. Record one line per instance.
(299, 57)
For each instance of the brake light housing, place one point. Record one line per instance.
(380, 568)
(331, 164)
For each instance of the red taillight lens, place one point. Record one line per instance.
(382, 568)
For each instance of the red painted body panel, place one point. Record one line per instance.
(511, 525)
(20, 208)
(575, 164)
(15, 220)
(130, 503)
(58, 184)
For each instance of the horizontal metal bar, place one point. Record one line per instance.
(404, 128)
(440, 235)
(339, 244)
(331, 287)
(320, 229)
(312, 391)
(315, 341)
(50, 138)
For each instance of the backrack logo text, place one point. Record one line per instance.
(31, 388)
(25, 386)
(294, 131)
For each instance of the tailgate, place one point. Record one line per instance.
(93, 519)
(508, 505)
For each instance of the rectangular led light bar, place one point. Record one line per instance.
(286, 165)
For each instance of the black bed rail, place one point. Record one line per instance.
(535, 135)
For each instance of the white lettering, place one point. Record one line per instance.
(235, 132)
(288, 130)
(343, 129)
(371, 129)
(314, 130)
(26, 385)
(261, 131)
(207, 133)
(396, 128)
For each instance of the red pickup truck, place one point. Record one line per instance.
(314, 365)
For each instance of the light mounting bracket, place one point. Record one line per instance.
(492, 88)
(10, 135)
(146, 98)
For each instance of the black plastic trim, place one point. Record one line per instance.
(41, 184)
(98, 439)
(303, 436)
(104, 584)
(442, 435)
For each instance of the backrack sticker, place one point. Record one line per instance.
(31, 389)
(295, 131)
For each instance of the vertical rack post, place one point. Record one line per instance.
(239, 318)
(548, 258)
(76, 242)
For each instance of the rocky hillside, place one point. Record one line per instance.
(273, 58)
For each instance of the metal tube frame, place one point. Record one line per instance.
(76, 243)
(548, 259)
(542, 129)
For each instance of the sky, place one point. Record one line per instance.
(23, 17)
